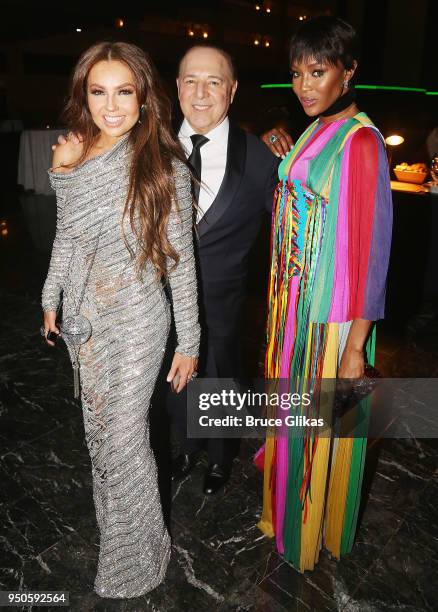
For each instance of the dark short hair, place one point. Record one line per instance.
(327, 39)
(224, 54)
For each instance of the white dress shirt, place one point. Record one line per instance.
(213, 160)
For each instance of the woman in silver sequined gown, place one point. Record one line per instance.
(120, 362)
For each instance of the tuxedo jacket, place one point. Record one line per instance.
(224, 238)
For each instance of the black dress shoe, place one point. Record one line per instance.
(216, 477)
(182, 465)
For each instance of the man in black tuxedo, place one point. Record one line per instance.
(238, 176)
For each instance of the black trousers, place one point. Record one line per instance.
(215, 362)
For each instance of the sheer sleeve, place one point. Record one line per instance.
(369, 224)
(182, 278)
(61, 251)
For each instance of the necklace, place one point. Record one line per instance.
(340, 104)
(340, 116)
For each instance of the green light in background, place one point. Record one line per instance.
(276, 86)
(369, 87)
(391, 88)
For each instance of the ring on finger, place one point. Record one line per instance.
(273, 138)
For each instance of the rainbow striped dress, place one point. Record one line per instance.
(330, 245)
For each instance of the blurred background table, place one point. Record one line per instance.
(409, 187)
(412, 291)
(38, 199)
(35, 158)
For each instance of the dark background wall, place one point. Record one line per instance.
(40, 45)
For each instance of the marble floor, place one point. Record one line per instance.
(220, 561)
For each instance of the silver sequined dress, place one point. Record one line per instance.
(119, 364)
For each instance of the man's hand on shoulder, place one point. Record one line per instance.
(67, 152)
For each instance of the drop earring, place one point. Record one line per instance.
(346, 84)
(142, 107)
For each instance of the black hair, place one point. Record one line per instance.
(224, 54)
(327, 39)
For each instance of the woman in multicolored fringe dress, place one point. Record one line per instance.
(331, 235)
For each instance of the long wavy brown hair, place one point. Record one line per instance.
(151, 190)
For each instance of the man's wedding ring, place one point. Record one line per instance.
(273, 138)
